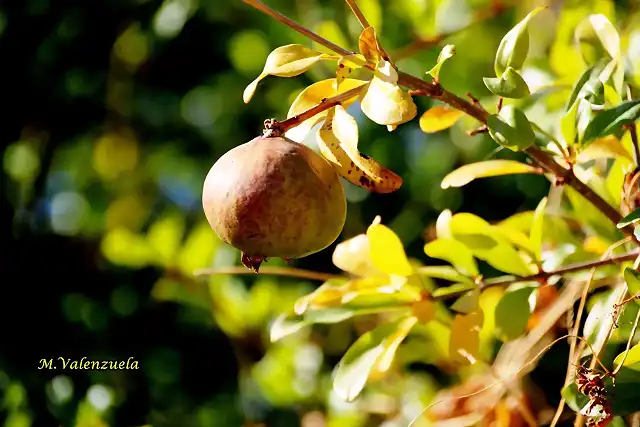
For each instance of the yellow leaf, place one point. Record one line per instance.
(369, 46)
(383, 101)
(312, 96)
(354, 256)
(346, 64)
(424, 311)
(338, 143)
(439, 118)
(608, 147)
(286, 61)
(464, 343)
(467, 173)
(387, 251)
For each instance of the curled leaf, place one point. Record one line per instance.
(338, 142)
(346, 65)
(439, 118)
(467, 173)
(354, 256)
(447, 52)
(383, 101)
(454, 252)
(597, 38)
(286, 61)
(369, 45)
(312, 96)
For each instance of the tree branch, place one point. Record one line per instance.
(435, 91)
(277, 128)
(269, 271)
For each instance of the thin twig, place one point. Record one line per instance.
(435, 91)
(279, 128)
(365, 24)
(294, 25)
(626, 350)
(269, 271)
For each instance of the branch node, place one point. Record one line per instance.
(481, 129)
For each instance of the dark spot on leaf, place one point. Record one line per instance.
(349, 172)
(365, 156)
(365, 181)
(352, 165)
(341, 65)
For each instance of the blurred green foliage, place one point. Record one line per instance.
(114, 111)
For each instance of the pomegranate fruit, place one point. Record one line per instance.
(273, 197)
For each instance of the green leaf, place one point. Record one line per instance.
(455, 253)
(568, 124)
(514, 46)
(537, 227)
(355, 367)
(286, 61)
(509, 85)
(488, 244)
(467, 173)
(513, 312)
(387, 252)
(286, 324)
(467, 303)
(632, 277)
(625, 393)
(458, 288)
(511, 129)
(575, 400)
(632, 218)
(447, 52)
(444, 272)
(597, 38)
(588, 86)
(631, 358)
(610, 120)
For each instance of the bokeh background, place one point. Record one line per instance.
(113, 111)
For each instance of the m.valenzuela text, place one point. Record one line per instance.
(88, 365)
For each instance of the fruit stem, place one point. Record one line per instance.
(274, 128)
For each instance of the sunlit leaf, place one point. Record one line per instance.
(369, 45)
(457, 289)
(610, 120)
(509, 85)
(443, 272)
(537, 227)
(424, 311)
(338, 143)
(383, 101)
(488, 244)
(443, 228)
(312, 96)
(353, 370)
(632, 218)
(387, 251)
(346, 65)
(354, 256)
(597, 37)
(447, 52)
(439, 118)
(513, 312)
(286, 61)
(568, 124)
(467, 303)
(631, 358)
(514, 46)
(511, 128)
(454, 252)
(587, 86)
(632, 277)
(467, 173)
(464, 343)
(608, 147)
(286, 324)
